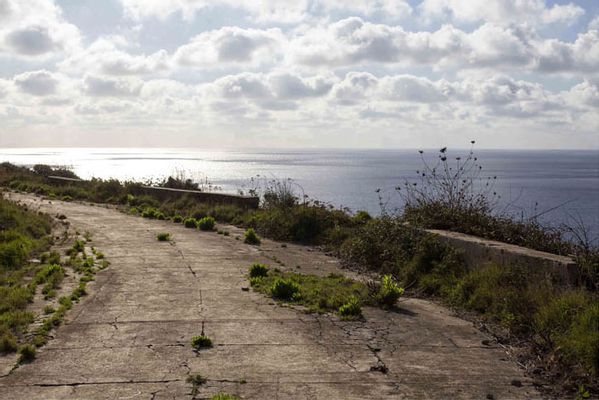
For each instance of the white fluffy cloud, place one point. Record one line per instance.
(281, 11)
(37, 83)
(353, 41)
(501, 11)
(231, 45)
(306, 68)
(35, 28)
(98, 86)
(108, 55)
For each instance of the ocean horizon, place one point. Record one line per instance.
(558, 185)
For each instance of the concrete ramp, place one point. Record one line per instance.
(130, 337)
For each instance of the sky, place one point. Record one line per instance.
(518, 74)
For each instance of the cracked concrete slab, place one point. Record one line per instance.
(130, 337)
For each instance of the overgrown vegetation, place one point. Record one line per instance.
(23, 235)
(333, 293)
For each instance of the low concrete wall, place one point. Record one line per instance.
(169, 193)
(479, 252)
(202, 197)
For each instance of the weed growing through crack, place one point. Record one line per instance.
(285, 289)
(351, 310)
(250, 237)
(26, 353)
(206, 224)
(389, 292)
(201, 342)
(163, 237)
(190, 223)
(196, 381)
(258, 270)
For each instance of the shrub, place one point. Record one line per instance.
(190, 223)
(582, 341)
(8, 343)
(258, 270)
(163, 237)
(48, 309)
(351, 309)
(250, 237)
(206, 224)
(14, 253)
(27, 353)
(177, 219)
(201, 342)
(389, 292)
(362, 217)
(285, 289)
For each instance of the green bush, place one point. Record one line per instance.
(27, 353)
(389, 292)
(8, 343)
(206, 224)
(14, 253)
(201, 342)
(250, 237)
(163, 237)
(258, 270)
(285, 289)
(190, 223)
(177, 219)
(351, 309)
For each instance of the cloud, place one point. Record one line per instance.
(107, 56)
(504, 12)
(96, 86)
(582, 55)
(594, 23)
(230, 45)
(265, 11)
(353, 41)
(37, 83)
(35, 28)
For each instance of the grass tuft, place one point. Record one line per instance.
(163, 237)
(250, 237)
(258, 270)
(206, 224)
(201, 342)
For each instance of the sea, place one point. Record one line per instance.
(558, 186)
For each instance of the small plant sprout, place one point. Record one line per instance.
(351, 310)
(190, 223)
(250, 237)
(206, 224)
(163, 237)
(196, 381)
(285, 289)
(258, 270)
(201, 342)
(389, 292)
